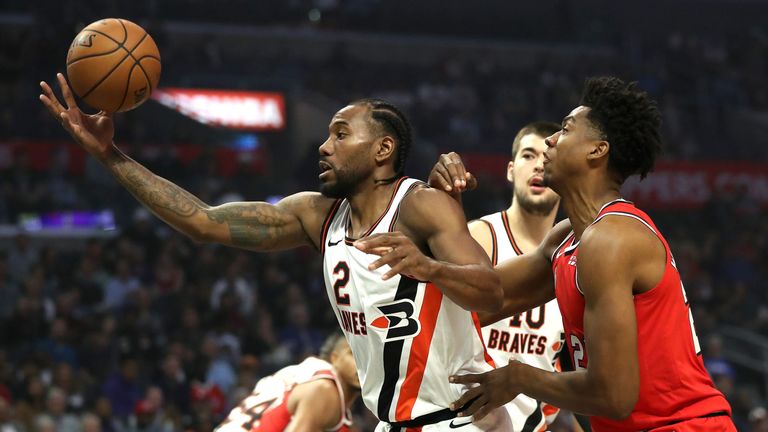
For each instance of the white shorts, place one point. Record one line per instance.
(497, 420)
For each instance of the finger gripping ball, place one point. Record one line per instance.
(113, 65)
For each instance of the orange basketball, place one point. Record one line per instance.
(113, 65)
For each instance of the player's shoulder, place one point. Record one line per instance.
(423, 200)
(323, 386)
(618, 236)
(308, 201)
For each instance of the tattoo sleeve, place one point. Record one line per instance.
(252, 225)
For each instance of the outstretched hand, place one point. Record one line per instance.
(495, 388)
(94, 132)
(397, 251)
(450, 175)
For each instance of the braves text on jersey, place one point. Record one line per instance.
(534, 337)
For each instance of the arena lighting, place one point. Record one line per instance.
(244, 110)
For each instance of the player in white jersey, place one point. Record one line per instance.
(534, 337)
(361, 163)
(314, 395)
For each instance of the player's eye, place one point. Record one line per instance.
(340, 135)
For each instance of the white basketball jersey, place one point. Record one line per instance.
(534, 337)
(406, 336)
(271, 395)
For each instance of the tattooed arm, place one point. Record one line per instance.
(294, 221)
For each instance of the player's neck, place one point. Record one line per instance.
(583, 204)
(528, 228)
(368, 204)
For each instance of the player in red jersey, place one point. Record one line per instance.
(628, 325)
(314, 395)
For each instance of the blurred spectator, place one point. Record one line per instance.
(90, 423)
(22, 257)
(242, 292)
(56, 412)
(9, 290)
(56, 346)
(109, 423)
(758, 419)
(7, 422)
(220, 371)
(122, 387)
(120, 285)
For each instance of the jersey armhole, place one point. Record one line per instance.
(411, 188)
(327, 224)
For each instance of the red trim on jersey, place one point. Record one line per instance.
(505, 219)
(413, 429)
(548, 409)
(324, 373)
(384, 213)
(327, 224)
(488, 358)
(417, 360)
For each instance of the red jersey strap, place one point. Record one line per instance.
(626, 208)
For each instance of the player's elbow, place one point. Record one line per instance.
(619, 404)
(199, 233)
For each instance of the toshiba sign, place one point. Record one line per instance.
(245, 110)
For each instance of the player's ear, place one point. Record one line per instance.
(333, 357)
(599, 150)
(511, 171)
(385, 148)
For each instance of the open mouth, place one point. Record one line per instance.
(537, 185)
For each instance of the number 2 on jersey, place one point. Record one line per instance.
(341, 271)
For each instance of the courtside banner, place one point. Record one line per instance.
(244, 110)
(688, 185)
(672, 185)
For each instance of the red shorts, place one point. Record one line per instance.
(709, 424)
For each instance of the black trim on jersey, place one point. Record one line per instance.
(327, 224)
(563, 246)
(533, 420)
(494, 244)
(505, 220)
(393, 350)
(397, 212)
(384, 213)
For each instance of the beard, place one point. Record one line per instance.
(538, 207)
(345, 184)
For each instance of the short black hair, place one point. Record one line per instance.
(393, 122)
(330, 345)
(628, 119)
(540, 128)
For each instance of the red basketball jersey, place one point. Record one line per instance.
(674, 386)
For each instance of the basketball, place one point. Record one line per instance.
(113, 65)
